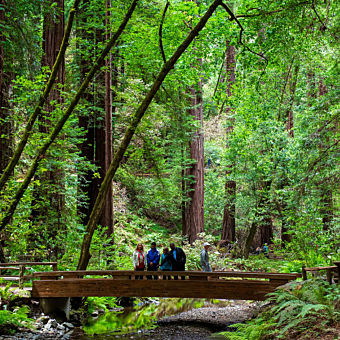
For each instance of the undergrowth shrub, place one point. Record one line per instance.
(10, 322)
(301, 311)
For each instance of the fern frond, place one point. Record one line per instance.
(311, 309)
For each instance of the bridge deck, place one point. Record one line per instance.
(192, 284)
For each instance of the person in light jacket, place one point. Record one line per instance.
(205, 258)
(139, 260)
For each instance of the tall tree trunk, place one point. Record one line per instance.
(292, 80)
(183, 190)
(97, 147)
(107, 215)
(292, 89)
(6, 121)
(86, 188)
(49, 199)
(228, 224)
(266, 223)
(194, 214)
(263, 221)
(325, 191)
(194, 186)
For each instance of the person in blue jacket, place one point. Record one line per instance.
(152, 259)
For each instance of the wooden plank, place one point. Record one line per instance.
(10, 278)
(231, 274)
(9, 268)
(21, 275)
(315, 269)
(233, 289)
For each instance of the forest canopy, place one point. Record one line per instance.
(215, 117)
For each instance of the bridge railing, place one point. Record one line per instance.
(21, 267)
(191, 284)
(180, 275)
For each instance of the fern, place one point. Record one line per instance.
(302, 311)
(310, 309)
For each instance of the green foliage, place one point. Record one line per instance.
(299, 311)
(103, 303)
(11, 321)
(6, 294)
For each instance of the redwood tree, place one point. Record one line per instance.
(228, 224)
(6, 76)
(6, 122)
(49, 203)
(325, 190)
(194, 212)
(97, 146)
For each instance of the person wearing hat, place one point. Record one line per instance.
(205, 258)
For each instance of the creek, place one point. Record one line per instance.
(184, 319)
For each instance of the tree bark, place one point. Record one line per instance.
(6, 126)
(98, 127)
(228, 224)
(326, 210)
(49, 199)
(292, 89)
(6, 121)
(266, 223)
(87, 122)
(292, 80)
(107, 216)
(263, 221)
(194, 212)
(94, 218)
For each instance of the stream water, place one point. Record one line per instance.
(143, 322)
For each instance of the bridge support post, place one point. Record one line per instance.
(59, 306)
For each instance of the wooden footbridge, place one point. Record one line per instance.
(189, 284)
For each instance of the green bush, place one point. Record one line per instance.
(10, 322)
(302, 311)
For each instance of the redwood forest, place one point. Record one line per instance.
(191, 124)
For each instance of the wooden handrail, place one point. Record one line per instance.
(117, 273)
(8, 264)
(315, 269)
(329, 271)
(22, 266)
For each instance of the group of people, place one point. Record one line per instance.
(264, 250)
(170, 260)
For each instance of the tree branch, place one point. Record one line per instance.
(233, 17)
(161, 30)
(311, 166)
(323, 27)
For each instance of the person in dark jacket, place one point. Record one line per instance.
(178, 258)
(152, 258)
